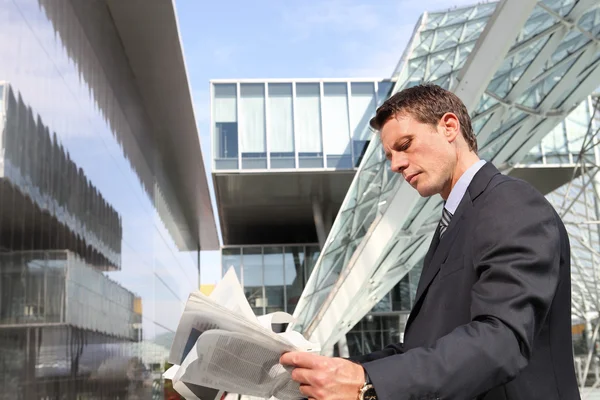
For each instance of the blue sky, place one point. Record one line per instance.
(285, 39)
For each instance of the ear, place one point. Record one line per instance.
(450, 126)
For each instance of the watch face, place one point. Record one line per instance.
(370, 394)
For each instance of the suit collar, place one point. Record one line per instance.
(481, 180)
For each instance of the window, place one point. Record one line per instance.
(308, 125)
(274, 281)
(253, 278)
(281, 126)
(336, 130)
(362, 109)
(252, 126)
(226, 126)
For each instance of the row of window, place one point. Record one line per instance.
(272, 277)
(293, 125)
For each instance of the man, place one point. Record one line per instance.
(492, 313)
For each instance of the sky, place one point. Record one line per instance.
(290, 39)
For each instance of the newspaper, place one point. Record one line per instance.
(221, 347)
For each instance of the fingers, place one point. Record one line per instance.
(302, 376)
(301, 360)
(309, 391)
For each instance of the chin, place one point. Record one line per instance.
(425, 191)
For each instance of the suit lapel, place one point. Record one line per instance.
(431, 268)
(438, 250)
(435, 241)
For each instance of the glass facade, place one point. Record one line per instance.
(273, 277)
(565, 142)
(277, 125)
(92, 282)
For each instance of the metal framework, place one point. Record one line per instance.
(578, 203)
(549, 62)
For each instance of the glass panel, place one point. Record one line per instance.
(336, 131)
(94, 263)
(362, 109)
(401, 295)
(384, 89)
(294, 259)
(252, 126)
(231, 257)
(226, 126)
(308, 125)
(281, 126)
(391, 329)
(274, 279)
(312, 255)
(252, 261)
(576, 125)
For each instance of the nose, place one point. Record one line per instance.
(399, 163)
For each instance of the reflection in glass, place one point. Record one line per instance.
(281, 129)
(294, 259)
(226, 126)
(336, 131)
(87, 308)
(231, 257)
(274, 279)
(252, 126)
(252, 261)
(308, 125)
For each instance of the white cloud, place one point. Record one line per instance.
(307, 19)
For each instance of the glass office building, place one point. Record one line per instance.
(104, 204)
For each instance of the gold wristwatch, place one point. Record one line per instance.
(367, 391)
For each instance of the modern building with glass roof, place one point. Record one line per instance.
(308, 203)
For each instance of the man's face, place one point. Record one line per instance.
(422, 153)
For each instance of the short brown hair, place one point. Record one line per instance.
(426, 103)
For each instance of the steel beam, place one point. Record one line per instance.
(491, 48)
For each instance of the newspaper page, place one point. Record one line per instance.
(221, 347)
(236, 364)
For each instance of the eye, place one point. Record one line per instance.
(404, 145)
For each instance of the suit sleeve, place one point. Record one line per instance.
(516, 244)
(376, 355)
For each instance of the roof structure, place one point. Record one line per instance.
(520, 67)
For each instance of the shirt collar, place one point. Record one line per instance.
(459, 189)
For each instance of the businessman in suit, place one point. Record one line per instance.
(492, 313)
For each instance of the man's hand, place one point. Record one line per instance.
(325, 378)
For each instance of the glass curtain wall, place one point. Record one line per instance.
(273, 277)
(90, 276)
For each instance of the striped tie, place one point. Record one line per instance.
(445, 221)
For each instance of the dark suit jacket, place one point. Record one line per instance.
(492, 313)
